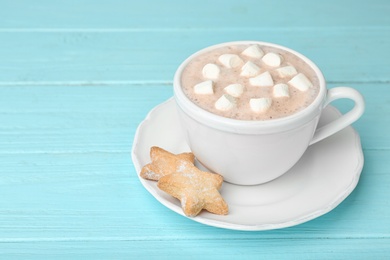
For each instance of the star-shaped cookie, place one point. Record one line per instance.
(196, 190)
(164, 162)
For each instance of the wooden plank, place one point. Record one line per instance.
(144, 15)
(204, 249)
(97, 196)
(136, 57)
(104, 118)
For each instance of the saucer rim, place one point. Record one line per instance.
(242, 227)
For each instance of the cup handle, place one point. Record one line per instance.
(346, 119)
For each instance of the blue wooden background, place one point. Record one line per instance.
(78, 76)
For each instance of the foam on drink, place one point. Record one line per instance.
(278, 82)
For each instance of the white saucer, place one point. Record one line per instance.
(327, 173)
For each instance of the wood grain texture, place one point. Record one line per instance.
(135, 58)
(76, 79)
(207, 249)
(203, 14)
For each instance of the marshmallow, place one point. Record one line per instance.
(287, 71)
(234, 90)
(253, 51)
(272, 59)
(211, 71)
(249, 69)
(301, 82)
(230, 60)
(204, 88)
(260, 105)
(263, 80)
(281, 90)
(225, 103)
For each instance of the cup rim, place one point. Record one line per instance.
(249, 126)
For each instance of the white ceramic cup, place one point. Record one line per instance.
(255, 152)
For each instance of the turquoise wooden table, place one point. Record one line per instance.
(78, 77)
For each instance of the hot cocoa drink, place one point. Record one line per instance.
(250, 82)
(249, 110)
